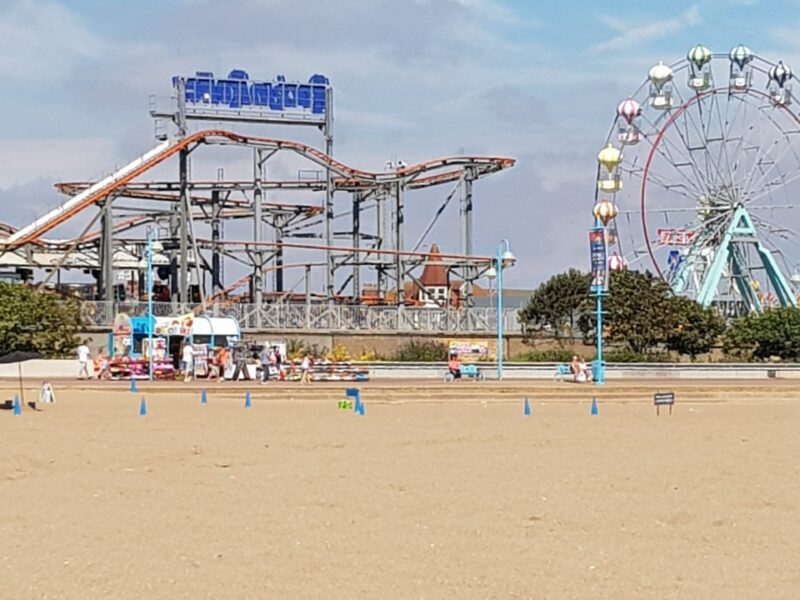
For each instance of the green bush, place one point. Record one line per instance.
(775, 332)
(413, 351)
(554, 355)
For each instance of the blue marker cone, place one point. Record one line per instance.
(247, 399)
(203, 397)
(16, 406)
(594, 407)
(526, 408)
(353, 393)
(133, 385)
(142, 408)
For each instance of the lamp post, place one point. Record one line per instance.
(603, 212)
(147, 264)
(505, 259)
(150, 318)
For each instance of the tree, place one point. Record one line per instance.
(637, 312)
(37, 322)
(641, 314)
(775, 332)
(556, 305)
(694, 329)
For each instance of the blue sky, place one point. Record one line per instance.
(538, 81)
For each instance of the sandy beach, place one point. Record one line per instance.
(298, 499)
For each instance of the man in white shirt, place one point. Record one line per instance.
(188, 362)
(83, 361)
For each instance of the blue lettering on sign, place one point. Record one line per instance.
(237, 91)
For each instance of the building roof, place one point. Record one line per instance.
(434, 274)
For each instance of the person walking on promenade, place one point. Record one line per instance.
(104, 368)
(188, 362)
(83, 361)
(305, 369)
(222, 361)
(263, 358)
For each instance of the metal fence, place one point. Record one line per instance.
(323, 317)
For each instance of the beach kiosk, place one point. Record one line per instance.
(206, 334)
(130, 353)
(130, 341)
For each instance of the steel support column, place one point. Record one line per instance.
(398, 239)
(258, 228)
(279, 223)
(183, 228)
(467, 232)
(330, 267)
(183, 207)
(356, 243)
(380, 236)
(106, 287)
(216, 274)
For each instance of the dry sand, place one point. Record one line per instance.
(415, 500)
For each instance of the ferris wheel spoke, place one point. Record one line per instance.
(744, 137)
(699, 184)
(775, 229)
(687, 134)
(664, 183)
(724, 129)
(788, 147)
(702, 181)
(776, 251)
(764, 151)
(703, 131)
(767, 189)
(656, 211)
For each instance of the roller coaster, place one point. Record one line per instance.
(189, 218)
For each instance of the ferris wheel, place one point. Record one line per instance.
(703, 164)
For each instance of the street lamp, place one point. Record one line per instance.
(491, 275)
(148, 264)
(505, 259)
(604, 211)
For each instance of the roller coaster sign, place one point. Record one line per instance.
(238, 92)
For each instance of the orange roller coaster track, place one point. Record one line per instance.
(435, 171)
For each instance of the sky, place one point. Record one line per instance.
(413, 80)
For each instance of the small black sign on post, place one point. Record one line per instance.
(663, 399)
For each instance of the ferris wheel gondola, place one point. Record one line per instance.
(703, 163)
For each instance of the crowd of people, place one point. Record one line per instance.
(268, 362)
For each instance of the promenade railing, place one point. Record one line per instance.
(322, 317)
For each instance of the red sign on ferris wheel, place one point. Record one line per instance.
(675, 237)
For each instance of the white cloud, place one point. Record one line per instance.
(22, 161)
(42, 40)
(630, 35)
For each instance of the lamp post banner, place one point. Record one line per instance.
(598, 251)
